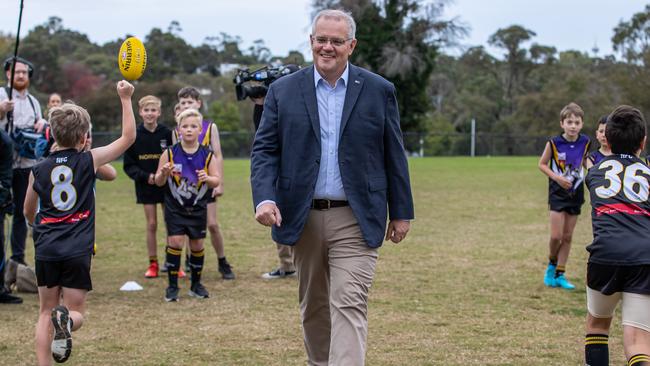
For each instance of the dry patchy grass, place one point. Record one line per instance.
(465, 288)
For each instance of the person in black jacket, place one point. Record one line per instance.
(141, 163)
(6, 207)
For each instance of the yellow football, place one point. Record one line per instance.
(132, 59)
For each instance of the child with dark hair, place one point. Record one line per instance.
(618, 269)
(566, 154)
(597, 156)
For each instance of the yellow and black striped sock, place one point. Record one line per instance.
(596, 350)
(639, 360)
(559, 271)
(153, 259)
(196, 264)
(173, 259)
(552, 260)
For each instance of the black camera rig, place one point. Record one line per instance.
(255, 84)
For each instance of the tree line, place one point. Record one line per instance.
(407, 41)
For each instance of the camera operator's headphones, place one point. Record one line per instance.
(10, 60)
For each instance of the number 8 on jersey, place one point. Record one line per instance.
(64, 195)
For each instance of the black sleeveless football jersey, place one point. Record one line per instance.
(65, 223)
(619, 187)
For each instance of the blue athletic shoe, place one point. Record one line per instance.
(549, 276)
(561, 281)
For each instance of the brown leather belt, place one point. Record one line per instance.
(327, 204)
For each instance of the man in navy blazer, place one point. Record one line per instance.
(327, 169)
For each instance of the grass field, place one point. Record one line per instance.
(465, 288)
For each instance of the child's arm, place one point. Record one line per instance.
(211, 177)
(164, 169)
(543, 166)
(215, 143)
(106, 172)
(588, 163)
(112, 151)
(31, 201)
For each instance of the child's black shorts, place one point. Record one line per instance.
(186, 221)
(70, 273)
(608, 279)
(560, 200)
(149, 194)
(559, 206)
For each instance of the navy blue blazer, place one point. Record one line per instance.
(374, 170)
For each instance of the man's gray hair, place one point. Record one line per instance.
(338, 15)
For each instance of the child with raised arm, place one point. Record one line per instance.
(566, 153)
(190, 173)
(64, 226)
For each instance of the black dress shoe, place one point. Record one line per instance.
(7, 298)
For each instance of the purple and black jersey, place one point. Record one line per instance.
(596, 157)
(64, 227)
(566, 160)
(184, 188)
(619, 190)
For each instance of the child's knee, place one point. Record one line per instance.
(598, 325)
(176, 242)
(213, 227)
(196, 246)
(566, 238)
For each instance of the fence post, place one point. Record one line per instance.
(473, 138)
(421, 146)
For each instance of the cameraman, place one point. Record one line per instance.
(258, 108)
(26, 111)
(285, 252)
(6, 148)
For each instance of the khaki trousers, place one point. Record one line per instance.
(335, 271)
(285, 254)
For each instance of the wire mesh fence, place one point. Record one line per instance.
(485, 144)
(238, 144)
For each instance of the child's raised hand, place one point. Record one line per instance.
(202, 174)
(125, 89)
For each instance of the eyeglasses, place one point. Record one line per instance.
(336, 42)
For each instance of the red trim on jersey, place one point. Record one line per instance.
(616, 208)
(68, 219)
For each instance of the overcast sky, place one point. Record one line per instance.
(284, 24)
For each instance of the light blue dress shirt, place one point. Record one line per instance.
(330, 109)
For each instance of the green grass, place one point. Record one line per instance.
(464, 288)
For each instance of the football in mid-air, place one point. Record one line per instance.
(132, 59)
